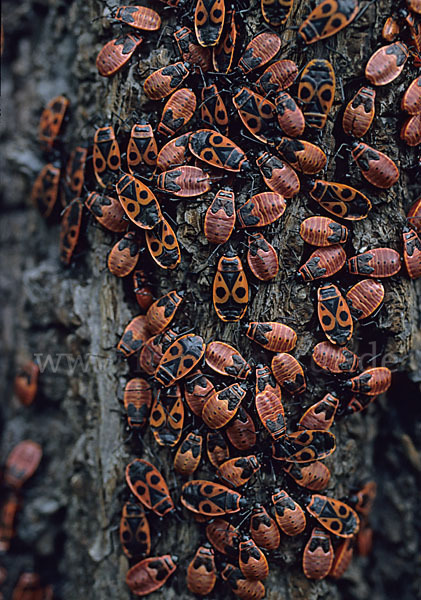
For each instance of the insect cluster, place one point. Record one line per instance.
(20, 465)
(245, 131)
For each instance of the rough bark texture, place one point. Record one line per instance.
(67, 529)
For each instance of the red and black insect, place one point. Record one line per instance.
(162, 311)
(411, 130)
(26, 383)
(265, 381)
(222, 406)
(191, 52)
(239, 470)
(414, 215)
(167, 416)
(75, 174)
(262, 257)
(223, 52)
(273, 336)
(138, 202)
(327, 18)
(289, 515)
(220, 217)
(386, 64)
(340, 200)
(304, 156)
(263, 529)
(334, 314)
(209, 16)
(363, 500)
(137, 402)
(226, 360)
(256, 112)
(177, 112)
(342, 559)
(276, 12)
(230, 288)
(217, 448)
(278, 176)
(304, 446)
(336, 516)
(201, 572)
(45, 189)
(249, 589)
(174, 153)
(371, 381)
(241, 430)
(52, 120)
(138, 17)
(334, 359)
(153, 350)
(71, 221)
(359, 403)
(278, 76)
(379, 262)
(318, 555)
(163, 245)
(217, 150)
(107, 211)
(123, 256)
(252, 562)
(180, 358)
(210, 499)
(376, 167)
(188, 455)
(314, 476)
(412, 252)
(271, 412)
(115, 54)
(359, 113)
(9, 508)
(142, 149)
(135, 535)
(322, 263)
(106, 156)
(289, 373)
(184, 181)
(164, 81)
(364, 298)
(150, 574)
(259, 51)
(261, 210)
(21, 463)
(142, 289)
(134, 336)
(148, 485)
(223, 536)
(197, 390)
(29, 586)
(212, 109)
(290, 116)
(411, 100)
(323, 231)
(414, 33)
(391, 29)
(316, 91)
(321, 414)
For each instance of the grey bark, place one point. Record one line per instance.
(67, 528)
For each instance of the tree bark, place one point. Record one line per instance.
(67, 529)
